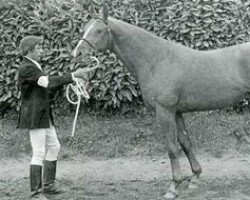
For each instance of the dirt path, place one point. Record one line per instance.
(135, 178)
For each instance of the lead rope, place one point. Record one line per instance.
(80, 90)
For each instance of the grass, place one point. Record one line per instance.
(217, 133)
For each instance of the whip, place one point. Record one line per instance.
(79, 88)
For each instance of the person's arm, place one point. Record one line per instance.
(30, 74)
(52, 82)
(35, 76)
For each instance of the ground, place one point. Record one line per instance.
(144, 178)
(124, 158)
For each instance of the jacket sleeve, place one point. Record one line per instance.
(32, 75)
(57, 81)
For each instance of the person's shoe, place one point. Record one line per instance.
(35, 179)
(49, 176)
(50, 189)
(38, 196)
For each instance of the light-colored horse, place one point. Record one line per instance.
(174, 79)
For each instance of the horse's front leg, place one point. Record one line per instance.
(167, 127)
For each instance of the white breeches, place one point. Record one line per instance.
(45, 145)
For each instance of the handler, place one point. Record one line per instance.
(36, 115)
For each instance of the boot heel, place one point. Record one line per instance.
(49, 177)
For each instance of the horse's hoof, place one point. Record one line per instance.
(169, 195)
(194, 182)
(192, 186)
(172, 192)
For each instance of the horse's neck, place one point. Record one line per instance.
(136, 48)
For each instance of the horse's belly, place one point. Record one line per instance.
(208, 101)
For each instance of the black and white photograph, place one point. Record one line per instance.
(124, 100)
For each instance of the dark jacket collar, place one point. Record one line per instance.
(27, 61)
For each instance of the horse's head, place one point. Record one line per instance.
(96, 37)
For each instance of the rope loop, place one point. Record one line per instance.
(79, 88)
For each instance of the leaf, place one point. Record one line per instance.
(133, 90)
(184, 31)
(205, 43)
(127, 94)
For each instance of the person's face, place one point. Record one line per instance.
(37, 52)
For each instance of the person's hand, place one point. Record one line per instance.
(85, 73)
(81, 73)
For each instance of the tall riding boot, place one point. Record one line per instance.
(49, 177)
(35, 179)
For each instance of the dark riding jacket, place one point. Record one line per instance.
(35, 111)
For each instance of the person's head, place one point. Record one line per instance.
(31, 46)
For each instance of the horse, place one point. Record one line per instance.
(174, 79)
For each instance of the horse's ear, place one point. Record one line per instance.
(93, 13)
(105, 12)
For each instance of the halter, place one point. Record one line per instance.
(80, 88)
(96, 43)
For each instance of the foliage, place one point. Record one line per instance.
(19, 19)
(61, 30)
(199, 24)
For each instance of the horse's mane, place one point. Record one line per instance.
(146, 36)
(135, 31)
(131, 29)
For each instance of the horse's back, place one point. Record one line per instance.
(203, 80)
(214, 79)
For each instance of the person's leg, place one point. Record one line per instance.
(50, 162)
(37, 139)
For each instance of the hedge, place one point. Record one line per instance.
(199, 24)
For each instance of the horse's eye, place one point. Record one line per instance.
(98, 31)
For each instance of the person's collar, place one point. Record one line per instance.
(35, 62)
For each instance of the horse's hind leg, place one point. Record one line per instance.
(186, 145)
